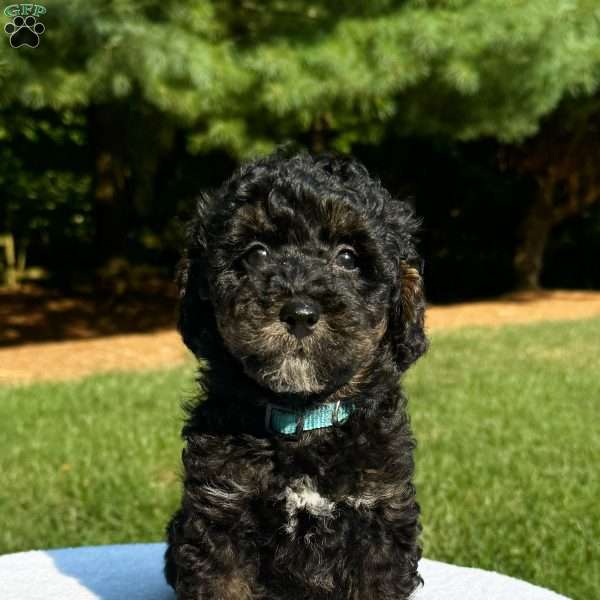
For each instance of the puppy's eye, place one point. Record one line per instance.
(256, 256)
(346, 259)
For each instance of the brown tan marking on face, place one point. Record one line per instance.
(368, 345)
(234, 587)
(337, 220)
(250, 221)
(292, 366)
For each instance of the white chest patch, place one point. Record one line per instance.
(301, 494)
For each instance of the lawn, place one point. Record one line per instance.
(508, 424)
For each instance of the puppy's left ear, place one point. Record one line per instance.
(407, 318)
(196, 319)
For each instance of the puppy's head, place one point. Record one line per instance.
(302, 269)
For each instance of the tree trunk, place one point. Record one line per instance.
(8, 243)
(108, 136)
(534, 233)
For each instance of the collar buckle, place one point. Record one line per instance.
(334, 415)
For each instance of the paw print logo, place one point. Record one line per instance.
(24, 32)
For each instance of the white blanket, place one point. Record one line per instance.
(134, 572)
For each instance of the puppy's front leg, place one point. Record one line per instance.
(204, 562)
(212, 552)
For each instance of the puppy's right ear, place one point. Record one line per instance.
(195, 319)
(407, 323)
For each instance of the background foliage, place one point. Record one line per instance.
(484, 111)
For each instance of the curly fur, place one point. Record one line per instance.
(329, 513)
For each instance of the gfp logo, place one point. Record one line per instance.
(25, 28)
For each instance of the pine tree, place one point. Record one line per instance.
(246, 75)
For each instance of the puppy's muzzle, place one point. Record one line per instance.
(300, 316)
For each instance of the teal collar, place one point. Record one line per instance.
(286, 421)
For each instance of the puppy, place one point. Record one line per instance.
(301, 297)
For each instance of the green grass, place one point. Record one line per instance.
(508, 424)
(90, 462)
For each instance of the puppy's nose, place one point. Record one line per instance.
(300, 315)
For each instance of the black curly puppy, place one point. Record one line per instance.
(299, 291)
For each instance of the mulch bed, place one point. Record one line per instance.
(33, 314)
